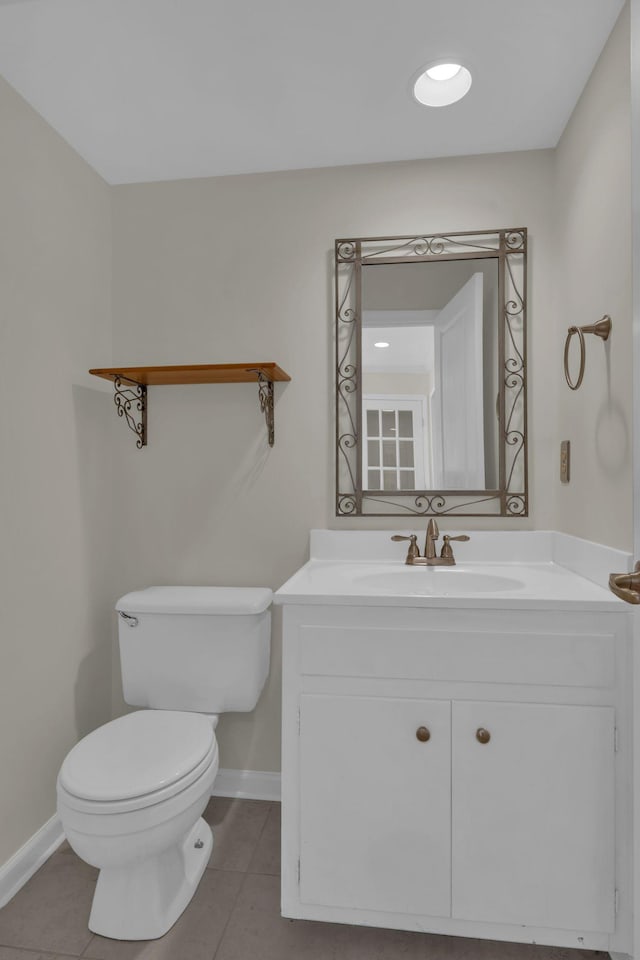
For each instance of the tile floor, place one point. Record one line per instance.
(233, 916)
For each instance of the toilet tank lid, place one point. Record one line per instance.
(221, 601)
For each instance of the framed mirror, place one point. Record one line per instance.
(431, 415)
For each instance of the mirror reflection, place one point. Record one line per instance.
(430, 375)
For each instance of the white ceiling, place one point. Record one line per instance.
(411, 348)
(164, 89)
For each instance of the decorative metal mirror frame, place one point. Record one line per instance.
(509, 248)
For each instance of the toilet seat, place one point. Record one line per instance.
(137, 761)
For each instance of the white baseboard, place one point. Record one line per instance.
(29, 858)
(243, 784)
(247, 784)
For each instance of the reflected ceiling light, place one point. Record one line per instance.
(381, 343)
(442, 84)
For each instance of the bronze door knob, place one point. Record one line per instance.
(422, 733)
(482, 735)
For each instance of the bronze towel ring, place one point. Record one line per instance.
(601, 329)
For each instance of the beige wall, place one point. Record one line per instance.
(55, 499)
(396, 384)
(593, 249)
(240, 269)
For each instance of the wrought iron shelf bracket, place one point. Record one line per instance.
(130, 399)
(265, 399)
(130, 386)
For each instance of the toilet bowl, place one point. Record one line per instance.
(130, 799)
(131, 794)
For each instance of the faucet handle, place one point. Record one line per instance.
(446, 551)
(413, 551)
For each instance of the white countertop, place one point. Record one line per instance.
(339, 574)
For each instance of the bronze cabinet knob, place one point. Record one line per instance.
(482, 735)
(422, 733)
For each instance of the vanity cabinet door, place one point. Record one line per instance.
(533, 814)
(375, 803)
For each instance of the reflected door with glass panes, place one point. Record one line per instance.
(396, 451)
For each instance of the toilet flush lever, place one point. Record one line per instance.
(128, 619)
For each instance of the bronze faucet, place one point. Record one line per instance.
(430, 543)
(431, 559)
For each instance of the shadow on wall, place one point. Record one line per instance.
(612, 428)
(250, 468)
(93, 412)
(247, 740)
(612, 437)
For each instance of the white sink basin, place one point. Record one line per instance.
(466, 585)
(526, 570)
(436, 581)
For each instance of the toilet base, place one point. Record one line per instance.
(142, 900)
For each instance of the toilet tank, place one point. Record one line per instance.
(204, 649)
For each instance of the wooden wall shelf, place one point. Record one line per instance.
(130, 384)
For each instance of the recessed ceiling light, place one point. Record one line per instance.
(442, 84)
(443, 71)
(381, 343)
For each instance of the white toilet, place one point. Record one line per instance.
(131, 794)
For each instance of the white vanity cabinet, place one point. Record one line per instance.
(364, 775)
(456, 772)
(533, 838)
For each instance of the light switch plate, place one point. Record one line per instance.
(565, 461)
